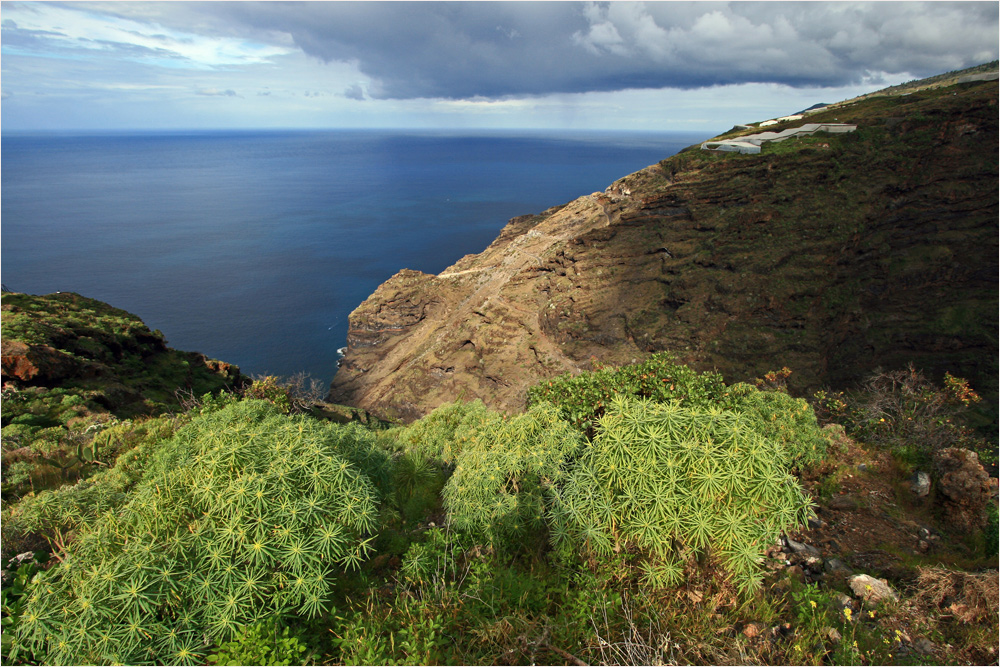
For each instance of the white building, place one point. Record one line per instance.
(751, 143)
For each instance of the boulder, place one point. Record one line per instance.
(920, 484)
(801, 548)
(963, 488)
(34, 363)
(871, 589)
(834, 565)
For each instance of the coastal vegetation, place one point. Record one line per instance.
(642, 514)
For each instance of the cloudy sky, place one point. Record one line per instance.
(619, 65)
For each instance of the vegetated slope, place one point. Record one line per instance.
(69, 341)
(831, 255)
(72, 366)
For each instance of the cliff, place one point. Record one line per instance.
(832, 255)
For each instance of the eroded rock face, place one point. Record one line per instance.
(39, 363)
(963, 487)
(878, 250)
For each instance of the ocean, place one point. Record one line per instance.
(254, 247)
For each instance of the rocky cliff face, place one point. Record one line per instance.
(831, 255)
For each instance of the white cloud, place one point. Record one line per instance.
(57, 28)
(513, 64)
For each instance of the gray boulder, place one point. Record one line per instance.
(871, 589)
(920, 484)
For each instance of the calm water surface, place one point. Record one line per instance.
(253, 247)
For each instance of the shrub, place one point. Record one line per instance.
(675, 482)
(434, 562)
(789, 421)
(69, 506)
(243, 515)
(445, 432)
(504, 476)
(584, 398)
(905, 412)
(261, 644)
(295, 394)
(416, 485)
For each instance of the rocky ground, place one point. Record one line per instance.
(892, 547)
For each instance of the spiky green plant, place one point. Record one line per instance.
(676, 482)
(790, 421)
(504, 475)
(243, 515)
(67, 507)
(445, 432)
(583, 398)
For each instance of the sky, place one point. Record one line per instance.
(650, 66)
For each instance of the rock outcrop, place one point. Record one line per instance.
(832, 255)
(963, 487)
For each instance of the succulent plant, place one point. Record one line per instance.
(243, 515)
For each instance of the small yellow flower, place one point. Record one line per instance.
(847, 613)
(871, 614)
(813, 603)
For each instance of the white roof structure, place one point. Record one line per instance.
(751, 143)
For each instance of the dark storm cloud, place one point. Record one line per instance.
(354, 92)
(463, 50)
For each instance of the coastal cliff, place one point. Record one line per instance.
(831, 255)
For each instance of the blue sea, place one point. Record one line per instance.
(254, 247)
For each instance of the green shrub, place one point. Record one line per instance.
(445, 432)
(261, 644)
(243, 515)
(504, 475)
(584, 398)
(789, 421)
(910, 415)
(434, 561)
(409, 632)
(416, 484)
(129, 445)
(12, 597)
(676, 482)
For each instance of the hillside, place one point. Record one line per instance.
(72, 366)
(831, 255)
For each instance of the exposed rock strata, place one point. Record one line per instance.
(832, 256)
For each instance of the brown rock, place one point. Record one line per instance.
(34, 363)
(844, 502)
(871, 589)
(963, 487)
